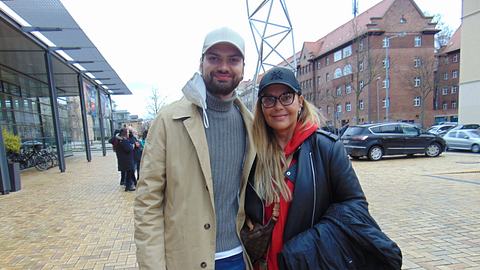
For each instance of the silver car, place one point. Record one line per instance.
(464, 139)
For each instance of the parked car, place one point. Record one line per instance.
(441, 130)
(378, 140)
(467, 126)
(463, 139)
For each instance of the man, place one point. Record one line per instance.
(189, 207)
(125, 157)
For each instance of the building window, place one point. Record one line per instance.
(455, 74)
(445, 60)
(318, 65)
(418, 41)
(384, 103)
(339, 91)
(360, 66)
(318, 80)
(338, 73)
(337, 56)
(327, 77)
(445, 105)
(386, 42)
(454, 89)
(385, 83)
(347, 69)
(454, 104)
(455, 58)
(348, 107)
(339, 108)
(361, 84)
(403, 20)
(386, 63)
(445, 91)
(360, 105)
(327, 61)
(360, 45)
(417, 62)
(328, 109)
(445, 76)
(417, 81)
(416, 101)
(347, 51)
(348, 89)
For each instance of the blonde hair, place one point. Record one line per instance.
(269, 179)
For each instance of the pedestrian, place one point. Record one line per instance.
(196, 160)
(138, 150)
(304, 204)
(114, 142)
(126, 162)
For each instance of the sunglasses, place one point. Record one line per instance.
(270, 101)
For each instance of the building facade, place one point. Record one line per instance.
(469, 91)
(349, 77)
(447, 81)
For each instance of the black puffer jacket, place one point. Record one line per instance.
(328, 224)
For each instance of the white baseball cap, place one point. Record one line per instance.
(224, 35)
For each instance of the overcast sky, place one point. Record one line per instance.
(152, 44)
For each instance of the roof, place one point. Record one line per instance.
(454, 42)
(345, 33)
(52, 20)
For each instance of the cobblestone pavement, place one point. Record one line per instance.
(82, 219)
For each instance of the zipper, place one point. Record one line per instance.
(263, 205)
(314, 189)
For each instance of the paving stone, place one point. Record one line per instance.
(82, 219)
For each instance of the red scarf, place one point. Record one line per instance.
(300, 134)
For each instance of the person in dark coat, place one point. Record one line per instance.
(126, 162)
(114, 142)
(138, 150)
(304, 184)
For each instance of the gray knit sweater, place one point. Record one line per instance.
(226, 145)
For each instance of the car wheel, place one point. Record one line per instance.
(433, 150)
(375, 153)
(475, 148)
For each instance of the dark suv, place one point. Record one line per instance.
(378, 140)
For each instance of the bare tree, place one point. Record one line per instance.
(443, 37)
(423, 83)
(367, 67)
(331, 99)
(155, 102)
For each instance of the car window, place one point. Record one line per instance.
(352, 131)
(408, 130)
(461, 134)
(452, 134)
(389, 129)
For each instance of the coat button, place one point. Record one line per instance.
(206, 226)
(203, 265)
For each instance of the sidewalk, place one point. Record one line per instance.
(82, 219)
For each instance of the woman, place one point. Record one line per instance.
(315, 202)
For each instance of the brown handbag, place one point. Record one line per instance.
(256, 237)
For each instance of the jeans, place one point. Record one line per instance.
(231, 263)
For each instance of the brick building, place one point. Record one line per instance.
(447, 79)
(344, 73)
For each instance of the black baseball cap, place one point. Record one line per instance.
(280, 75)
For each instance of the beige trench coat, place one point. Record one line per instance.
(174, 208)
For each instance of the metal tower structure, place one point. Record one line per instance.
(273, 35)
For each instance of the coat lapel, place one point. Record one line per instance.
(193, 123)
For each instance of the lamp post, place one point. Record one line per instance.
(387, 68)
(378, 101)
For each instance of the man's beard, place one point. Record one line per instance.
(220, 88)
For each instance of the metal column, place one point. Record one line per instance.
(100, 118)
(112, 128)
(83, 109)
(4, 174)
(54, 104)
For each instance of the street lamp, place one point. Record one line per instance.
(387, 68)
